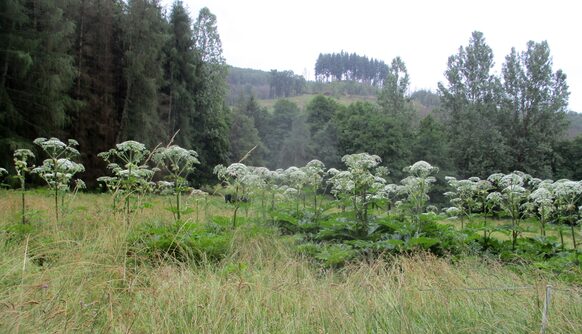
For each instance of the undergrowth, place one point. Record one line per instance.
(94, 273)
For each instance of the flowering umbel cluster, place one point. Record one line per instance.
(58, 170)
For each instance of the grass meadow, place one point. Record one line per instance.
(77, 276)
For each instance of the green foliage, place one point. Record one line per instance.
(285, 84)
(180, 77)
(568, 164)
(359, 127)
(535, 95)
(36, 71)
(144, 37)
(179, 241)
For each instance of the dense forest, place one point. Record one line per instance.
(105, 71)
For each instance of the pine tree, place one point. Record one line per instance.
(144, 35)
(37, 71)
(180, 67)
(97, 54)
(210, 121)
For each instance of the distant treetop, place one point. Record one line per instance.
(346, 66)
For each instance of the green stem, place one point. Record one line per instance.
(573, 237)
(178, 204)
(57, 203)
(22, 189)
(234, 216)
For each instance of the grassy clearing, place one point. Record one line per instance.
(88, 283)
(302, 100)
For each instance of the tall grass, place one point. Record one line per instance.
(77, 277)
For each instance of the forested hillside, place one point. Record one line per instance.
(106, 71)
(476, 124)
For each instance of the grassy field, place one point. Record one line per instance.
(302, 100)
(78, 277)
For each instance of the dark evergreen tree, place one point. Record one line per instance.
(210, 120)
(144, 36)
(98, 53)
(37, 72)
(180, 81)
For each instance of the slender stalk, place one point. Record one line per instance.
(573, 237)
(236, 206)
(177, 203)
(57, 203)
(22, 189)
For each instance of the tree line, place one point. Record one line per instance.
(350, 66)
(480, 123)
(105, 71)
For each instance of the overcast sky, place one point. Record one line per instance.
(289, 35)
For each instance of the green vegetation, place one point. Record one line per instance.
(92, 272)
(237, 212)
(286, 231)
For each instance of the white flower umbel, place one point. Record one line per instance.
(359, 185)
(58, 169)
(510, 198)
(567, 195)
(178, 163)
(542, 206)
(23, 159)
(128, 162)
(417, 186)
(234, 178)
(468, 196)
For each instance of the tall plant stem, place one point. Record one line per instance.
(574, 237)
(57, 203)
(178, 204)
(22, 189)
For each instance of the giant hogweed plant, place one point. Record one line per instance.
(23, 166)
(541, 204)
(416, 187)
(568, 195)
(178, 162)
(358, 185)
(264, 182)
(510, 198)
(295, 179)
(128, 161)
(469, 196)
(463, 196)
(235, 178)
(314, 173)
(58, 170)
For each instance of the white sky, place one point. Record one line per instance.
(289, 35)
